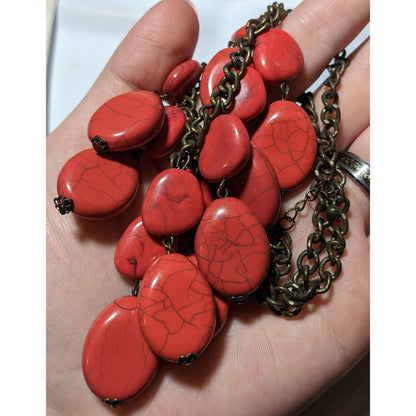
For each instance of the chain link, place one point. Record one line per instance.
(198, 122)
(326, 244)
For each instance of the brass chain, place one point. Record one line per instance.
(326, 244)
(198, 122)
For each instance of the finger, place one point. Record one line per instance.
(354, 97)
(322, 29)
(164, 37)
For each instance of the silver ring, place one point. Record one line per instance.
(356, 168)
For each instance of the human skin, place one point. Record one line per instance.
(259, 364)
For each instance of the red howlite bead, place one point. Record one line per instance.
(181, 79)
(177, 310)
(137, 250)
(249, 100)
(258, 188)
(100, 186)
(232, 248)
(277, 56)
(173, 203)
(226, 148)
(168, 137)
(129, 120)
(287, 138)
(116, 361)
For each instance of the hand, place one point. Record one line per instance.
(259, 364)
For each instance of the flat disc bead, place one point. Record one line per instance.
(181, 79)
(128, 120)
(287, 138)
(173, 203)
(116, 361)
(226, 148)
(177, 310)
(258, 188)
(100, 186)
(232, 248)
(277, 56)
(137, 250)
(170, 134)
(250, 99)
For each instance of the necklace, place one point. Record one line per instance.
(210, 233)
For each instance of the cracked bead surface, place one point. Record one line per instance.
(128, 120)
(258, 187)
(250, 98)
(177, 310)
(181, 79)
(100, 186)
(277, 56)
(287, 138)
(137, 250)
(232, 248)
(226, 148)
(173, 203)
(116, 361)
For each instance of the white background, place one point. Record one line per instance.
(87, 32)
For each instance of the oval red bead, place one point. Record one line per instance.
(170, 134)
(250, 98)
(173, 203)
(181, 79)
(137, 250)
(258, 188)
(277, 56)
(177, 310)
(100, 186)
(116, 361)
(226, 148)
(287, 138)
(129, 120)
(232, 248)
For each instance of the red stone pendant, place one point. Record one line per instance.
(232, 248)
(181, 79)
(226, 148)
(99, 186)
(249, 100)
(169, 136)
(173, 203)
(287, 138)
(116, 360)
(177, 310)
(258, 188)
(277, 56)
(137, 250)
(127, 121)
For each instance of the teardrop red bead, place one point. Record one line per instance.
(128, 120)
(232, 248)
(137, 250)
(116, 361)
(100, 186)
(173, 203)
(287, 138)
(277, 56)
(177, 310)
(226, 148)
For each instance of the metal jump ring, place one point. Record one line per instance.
(356, 168)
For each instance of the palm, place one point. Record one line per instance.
(258, 364)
